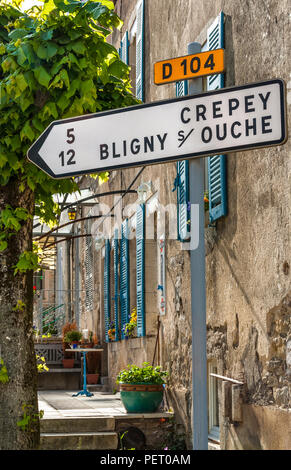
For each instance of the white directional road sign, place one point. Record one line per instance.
(216, 122)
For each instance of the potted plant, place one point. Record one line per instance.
(96, 344)
(68, 360)
(91, 342)
(88, 343)
(73, 337)
(111, 331)
(141, 388)
(92, 379)
(129, 328)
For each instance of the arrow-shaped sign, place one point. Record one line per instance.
(221, 121)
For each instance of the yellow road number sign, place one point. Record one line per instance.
(189, 66)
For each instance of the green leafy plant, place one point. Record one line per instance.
(19, 307)
(55, 63)
(130, 327)
(29, 418)
(41, 364)
(145, 374)
(175, 438)
(4, 378)
(121, 441)
(72, 336)
(28, 261)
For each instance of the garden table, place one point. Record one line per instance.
(85, 391)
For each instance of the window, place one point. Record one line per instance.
(131, 51)
(217, 163)
(213, 403)
(124, 276)
(140, 269)
(88, 271)
(215, 166)
(115, 315)
(116, 283)
(181, 184)
(107, 298)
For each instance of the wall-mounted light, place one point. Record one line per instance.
(144, 191)
(72, 212)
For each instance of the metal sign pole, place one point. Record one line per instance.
(198, 294)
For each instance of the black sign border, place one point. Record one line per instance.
(33, 151)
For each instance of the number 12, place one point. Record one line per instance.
(71, 160)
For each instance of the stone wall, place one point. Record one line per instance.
(248, 252)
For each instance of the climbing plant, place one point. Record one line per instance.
(55, 63)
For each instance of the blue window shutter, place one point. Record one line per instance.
(140, 269)
(124, 276)
(116, 284)
(182, 88)
(182, 200)
(140, 51)
(124, 49)
(107, 289)
(215, 40)
(182, 182)
(216, 164)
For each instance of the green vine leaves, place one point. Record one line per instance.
(4, 378)
(30, 419)
(55, 63)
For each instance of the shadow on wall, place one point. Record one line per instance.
(227, 254)
(246, 436)
(180, 401)
(229, 224)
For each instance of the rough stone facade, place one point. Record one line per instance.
(247, 252)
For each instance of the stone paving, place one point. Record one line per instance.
(61, 404)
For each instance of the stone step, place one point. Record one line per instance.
(98, 388)
(78, 425)
(79, 441)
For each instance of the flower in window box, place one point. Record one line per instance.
(206, 201)
(129, 328)
(111, 331)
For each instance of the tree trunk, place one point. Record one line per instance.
(19, 396)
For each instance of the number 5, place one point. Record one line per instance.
(70, 135)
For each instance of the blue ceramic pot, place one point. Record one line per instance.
(141, 397)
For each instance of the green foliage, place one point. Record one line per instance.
(175, 441)
(73, 335)
(29, 418)
(55, 63)
(41, 364)
(28, 260)
(175, 438)
(4, 378)
(10, 223)
(130, 327)
(19, 307)
(145, 374)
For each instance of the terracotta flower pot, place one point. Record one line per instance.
(68, 363)
(92, 379)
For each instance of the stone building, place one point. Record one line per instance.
(247, 234)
